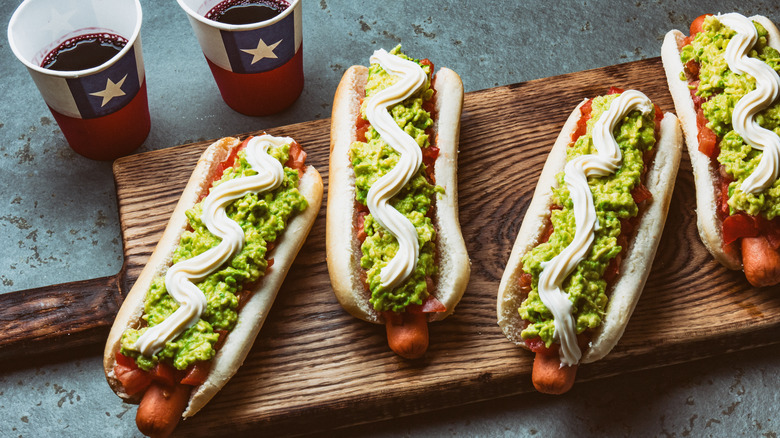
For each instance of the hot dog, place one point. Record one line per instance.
(195, 310)
(726, 95)
(393, 172)
(588, 239)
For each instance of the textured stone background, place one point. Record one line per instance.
(58, 215)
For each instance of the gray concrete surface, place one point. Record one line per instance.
(58, 214)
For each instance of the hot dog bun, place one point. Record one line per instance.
(705, 174)
(343, 248)
(252, 314)
(635, 267)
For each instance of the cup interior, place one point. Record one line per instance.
(39, 26)
(197, 9)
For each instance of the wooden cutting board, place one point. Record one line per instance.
(315, 367)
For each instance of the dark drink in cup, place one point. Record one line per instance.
(246, 11)
(84, 51)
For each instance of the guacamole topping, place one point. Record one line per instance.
(373, 159)
(585, 287)
(262, 217)
(722, 89)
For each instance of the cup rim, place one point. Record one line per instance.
(74, 73)
(237, 27)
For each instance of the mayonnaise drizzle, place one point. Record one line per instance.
(576, 172)
(766, 92)
(180, 278)
(411, 78)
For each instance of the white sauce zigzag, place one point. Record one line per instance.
(411, 78)
(180, 278)
(576, 172)
(766, 92)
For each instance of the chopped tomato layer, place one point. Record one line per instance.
(708, 141)
(164, 374)
(429, 160)
(133, 379)
(741, 225)
(297, 159)
(627, 228)
(429, 305)
(738, 225)
(430, 154)
(697, 24)
(582, 123)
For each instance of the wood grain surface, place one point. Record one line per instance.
(315, 367)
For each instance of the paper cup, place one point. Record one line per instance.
(103, 111)
(258, 67)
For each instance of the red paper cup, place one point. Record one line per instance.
(102, 111)
(258, 67)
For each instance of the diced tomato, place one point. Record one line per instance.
(615, 90)
(659, 115)
(429, 305)
(433, 305)
(697, 24)
(537, 346)
(163, 374)
(641, 194)
(723, 198)
(701, 120)
(429, 159)
(134, 381)
(196, 373)
(548, 231)
(427, 61)
(692, 68)
(227, 163)
(297, 158)
(582, 124)
(613, 269)
(525, 283)
(708, 141)
(230, 160)
(360, 225)
(125, 361)
(361, 127)
(737, 226)
(697, 100)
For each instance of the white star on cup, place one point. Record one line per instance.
(112, 90)
(262, 50)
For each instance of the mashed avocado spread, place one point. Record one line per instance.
(263, 218)
(723, 88)
(612, 197)
(372, 160)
